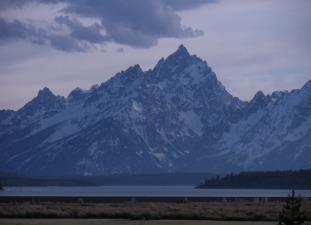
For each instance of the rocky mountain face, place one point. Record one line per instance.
(175, 117)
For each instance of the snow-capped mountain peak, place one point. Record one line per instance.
(174, 117)
(45, 92)
(76, 95)
(180, 54)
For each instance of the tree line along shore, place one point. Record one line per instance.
(299, 179)
(294, 179)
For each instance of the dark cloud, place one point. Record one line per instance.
(85, 33)
(66, 44)
(5, 4)
(138, 23)
(187, 4)
(15, 29)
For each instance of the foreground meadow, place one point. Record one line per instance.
(135, 212)
(146, 211)
(124, 222)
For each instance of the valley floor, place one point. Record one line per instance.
(134, 212)
(125, 222)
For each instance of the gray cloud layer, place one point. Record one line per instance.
(187, 4)
(138, 23)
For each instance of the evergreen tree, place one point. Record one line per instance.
(291, 213)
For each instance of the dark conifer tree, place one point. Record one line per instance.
(291, 213)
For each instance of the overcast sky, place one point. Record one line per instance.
(251, 45)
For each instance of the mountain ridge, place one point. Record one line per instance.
(174, 117)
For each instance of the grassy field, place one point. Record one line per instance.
(135, 212)
(145, 211)
(123, 222)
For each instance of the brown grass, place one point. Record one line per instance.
(124, 222)
(237, 210)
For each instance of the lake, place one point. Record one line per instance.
(145, 191)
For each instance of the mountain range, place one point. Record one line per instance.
(176, 117)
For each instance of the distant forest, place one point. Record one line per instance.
(300, 179)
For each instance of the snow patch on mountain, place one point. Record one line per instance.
(136, 106)
(192, 121)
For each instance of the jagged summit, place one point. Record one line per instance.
(259, 97)
(45, 92)
(307, 85)
(182, 50)
(76, 95)
(180, 66)
(136, 70)
(174, 117)
(180, 54)
(43, 105)
(259, 101)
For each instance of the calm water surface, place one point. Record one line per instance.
(157, 191)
